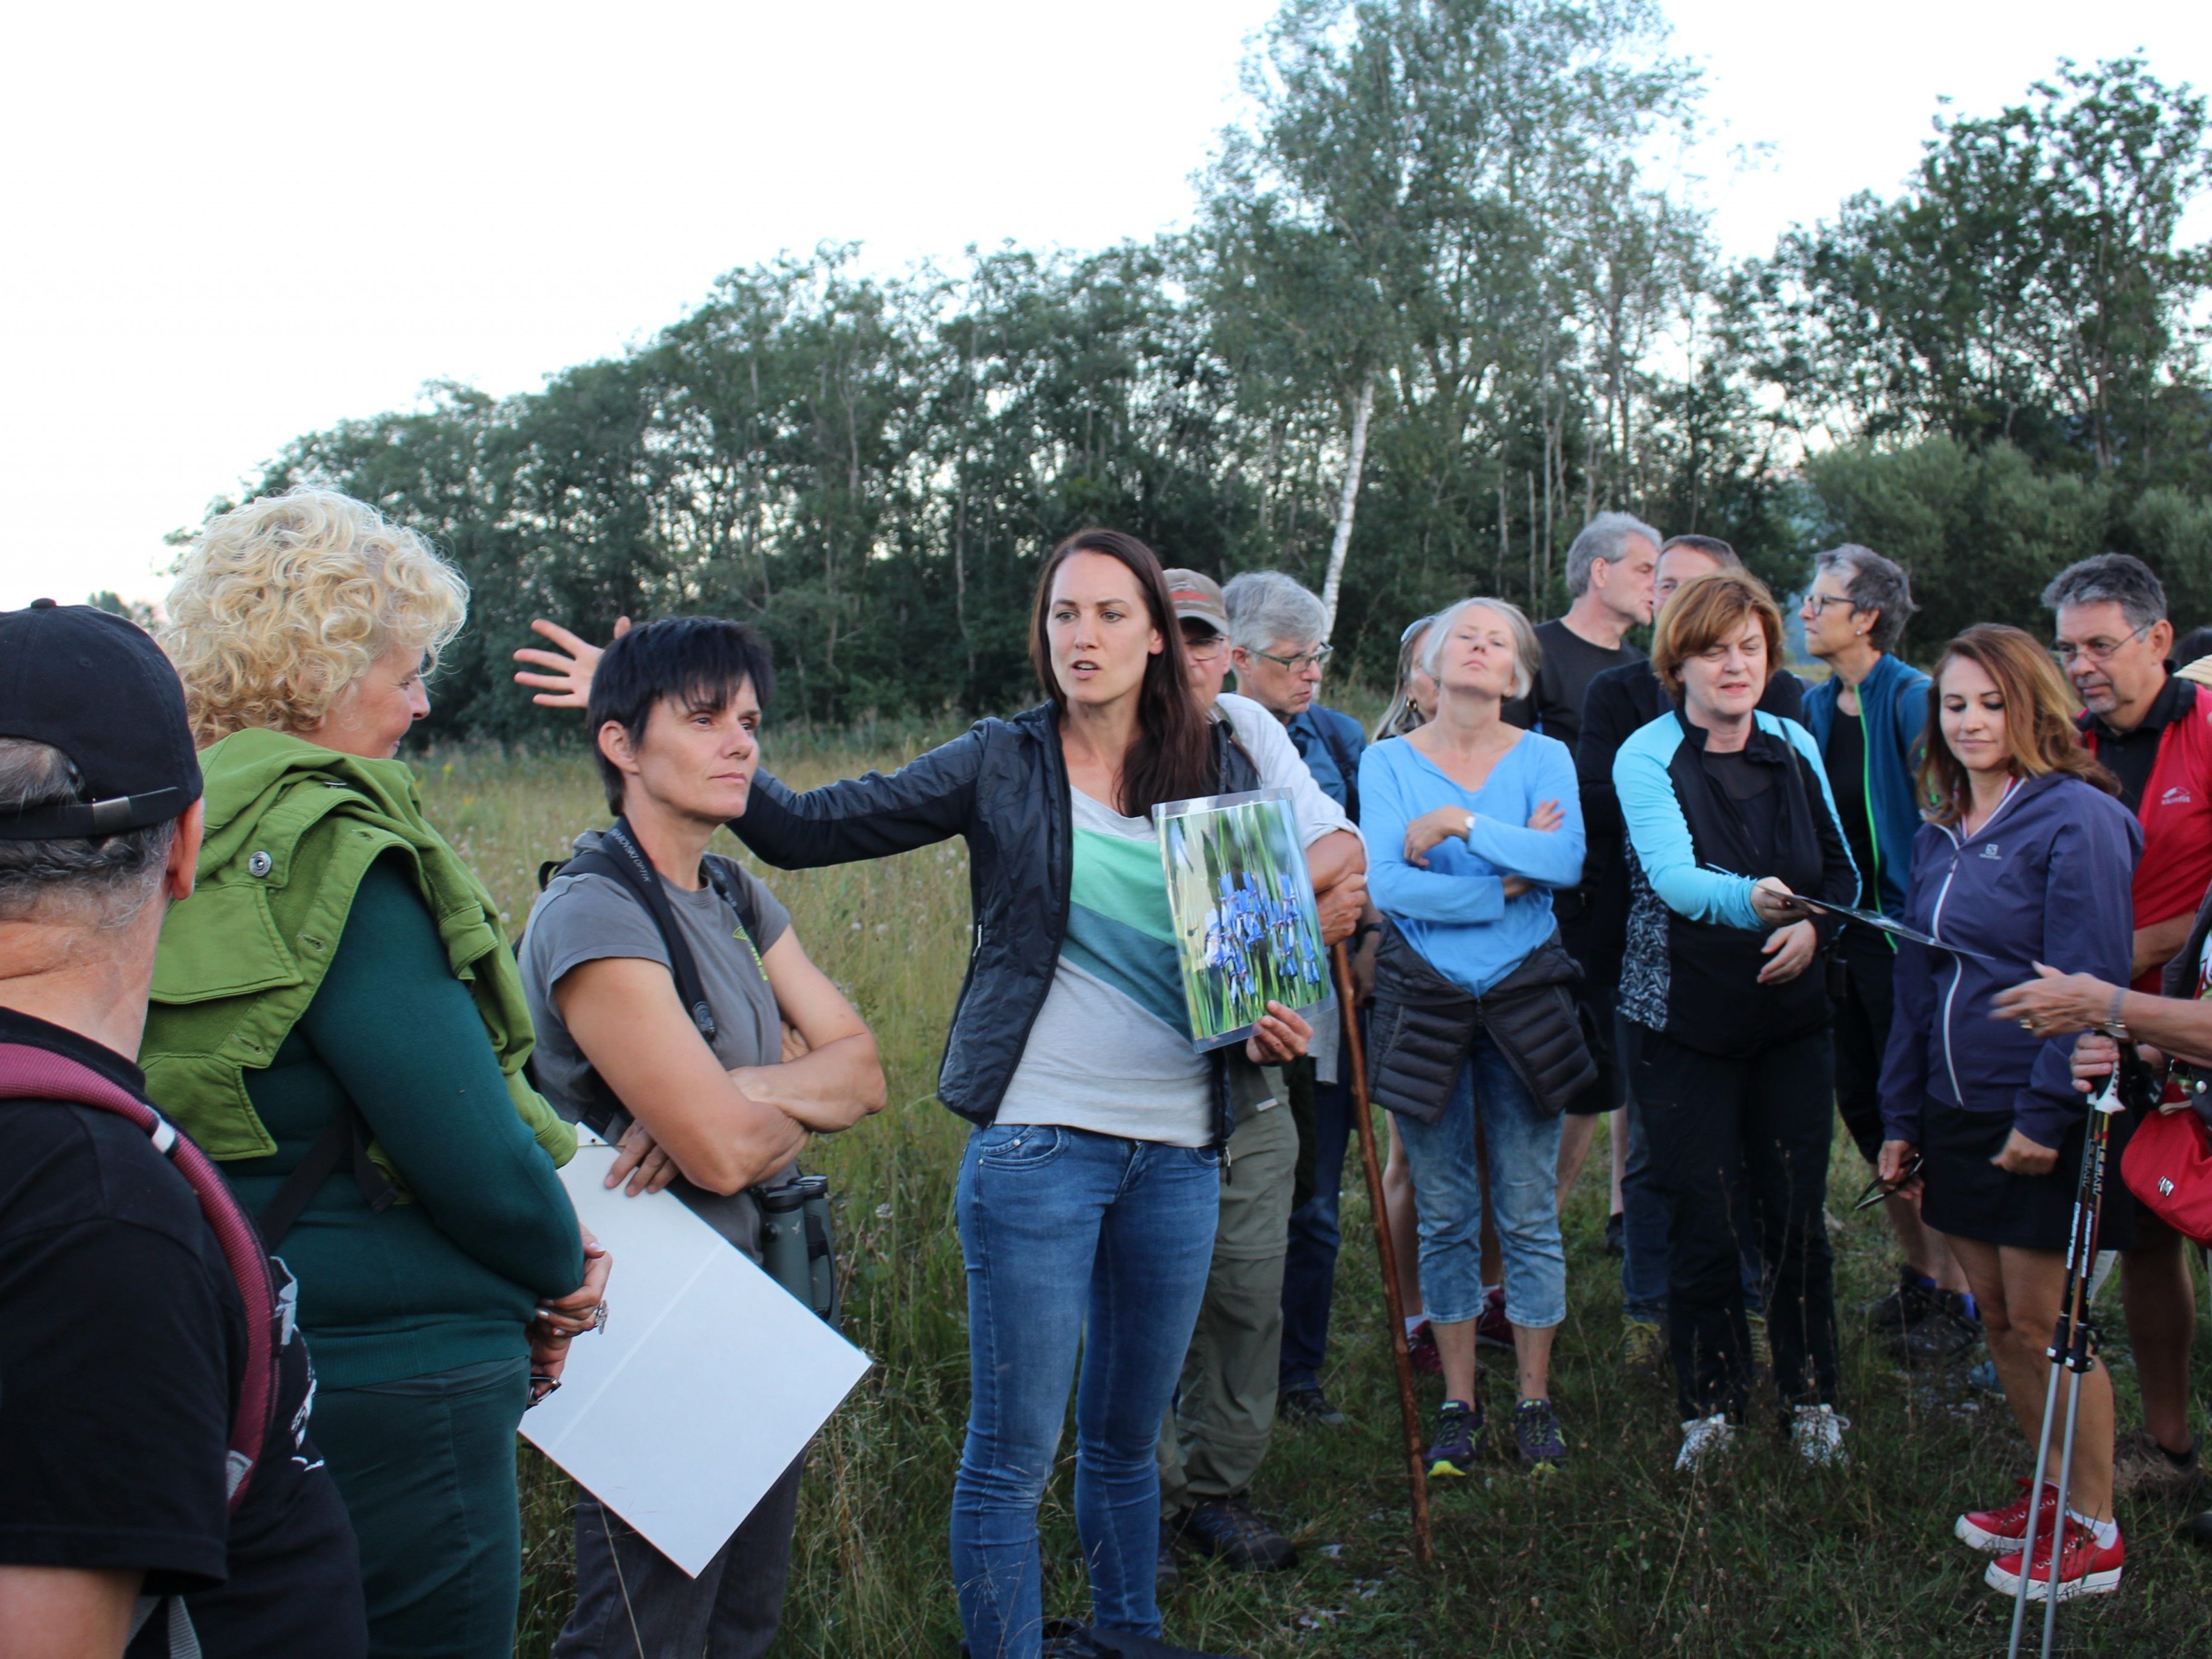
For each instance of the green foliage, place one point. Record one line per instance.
(2028, 286)
(1444, 211)
(137, 610)
(2010, 353)
(1981, 530)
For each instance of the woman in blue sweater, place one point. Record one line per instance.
(1470, 824)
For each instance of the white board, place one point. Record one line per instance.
(709, 1379)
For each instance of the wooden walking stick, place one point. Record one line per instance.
(1409, 1411)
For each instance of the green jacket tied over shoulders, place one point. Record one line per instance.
(291, 828)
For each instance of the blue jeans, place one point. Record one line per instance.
(1523, 1145)
(1072, 1241)
(1644, 1256)
(1310, 1264)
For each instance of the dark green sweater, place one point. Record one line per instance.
(450, 1279)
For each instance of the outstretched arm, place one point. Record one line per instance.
(931, 799)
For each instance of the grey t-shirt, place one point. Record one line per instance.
(580, 919)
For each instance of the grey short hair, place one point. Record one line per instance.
(1606, 537)
(99, 883)
(1527, 652)
(1265, 606)
(2110, 578)
(1873, 583)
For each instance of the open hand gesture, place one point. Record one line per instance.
(567, 681)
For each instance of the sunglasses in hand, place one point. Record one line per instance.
(1878, 1189)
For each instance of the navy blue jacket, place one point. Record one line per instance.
(1893, 712)
(2046, 879)
(1330, 743)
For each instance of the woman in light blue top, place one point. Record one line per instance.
(1470, 824)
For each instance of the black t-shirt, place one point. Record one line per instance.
(1845, 760)
(1570, 663)
(1750, 785)
(122, 1341)
(2130, 756)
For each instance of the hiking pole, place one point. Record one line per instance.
(2072, 1349)
(1409, 1411)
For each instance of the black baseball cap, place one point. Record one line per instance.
(96, 687)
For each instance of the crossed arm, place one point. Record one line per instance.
(721, 1130)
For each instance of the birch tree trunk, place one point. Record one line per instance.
(1346, 504)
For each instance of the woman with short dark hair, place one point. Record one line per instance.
(1727, 815)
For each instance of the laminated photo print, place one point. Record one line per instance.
(1246, 928)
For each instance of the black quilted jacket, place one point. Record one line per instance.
(1003, 785)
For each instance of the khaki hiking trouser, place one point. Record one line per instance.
(1214, 1437)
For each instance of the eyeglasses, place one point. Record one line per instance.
(1817, 602)
(2097, 651)
(1208, 650)
(1298, 664)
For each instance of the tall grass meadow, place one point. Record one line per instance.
(1616, 1555)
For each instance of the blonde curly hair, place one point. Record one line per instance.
(281, 604)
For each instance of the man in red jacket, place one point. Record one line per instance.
(2153, 730)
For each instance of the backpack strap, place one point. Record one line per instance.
(347, 1132)
(724, 877)
(28, 1074)
(621, 859)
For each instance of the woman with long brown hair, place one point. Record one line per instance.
(1088, 1192)
(2026, 857)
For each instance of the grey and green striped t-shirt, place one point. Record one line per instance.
(1110, 1051)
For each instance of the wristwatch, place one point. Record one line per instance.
(2114, 1025)
(1468, 831)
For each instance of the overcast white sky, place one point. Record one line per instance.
(229, 223)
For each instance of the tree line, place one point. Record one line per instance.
(1444, 296)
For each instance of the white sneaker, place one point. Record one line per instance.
(1702, 1437)
(1817, 1434)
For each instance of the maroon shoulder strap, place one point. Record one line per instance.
(38, 1073)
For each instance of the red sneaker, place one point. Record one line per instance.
(1491, 1328)
(2085, 1568)
(1998, 1531)
(1427, 1360)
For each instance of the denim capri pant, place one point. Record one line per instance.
(1522, 1145)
